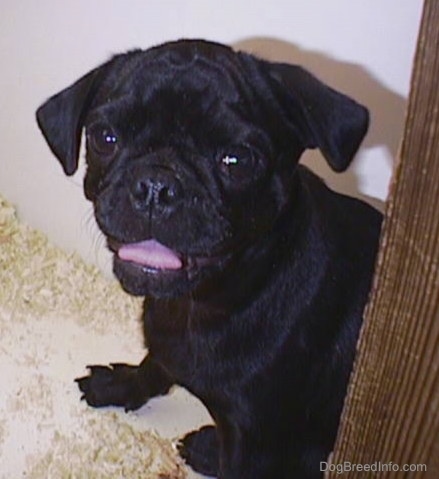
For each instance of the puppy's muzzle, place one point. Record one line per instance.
(154, 188)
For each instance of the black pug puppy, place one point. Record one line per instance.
(255, 273)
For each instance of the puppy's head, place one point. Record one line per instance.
(191, 154)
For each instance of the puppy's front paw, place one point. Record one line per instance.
(200, 449)
(114, 385)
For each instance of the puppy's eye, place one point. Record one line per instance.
(102, 140)
(238, 163)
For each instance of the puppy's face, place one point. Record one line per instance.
(191, 154)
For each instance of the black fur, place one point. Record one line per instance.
(261, 320)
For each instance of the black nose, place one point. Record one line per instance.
(155, 187)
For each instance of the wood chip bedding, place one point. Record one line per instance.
(50, 303)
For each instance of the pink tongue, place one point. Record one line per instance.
(150, 253)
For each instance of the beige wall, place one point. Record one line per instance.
(363, 48)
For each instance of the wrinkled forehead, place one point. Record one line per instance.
(178, 70)
(168, 93)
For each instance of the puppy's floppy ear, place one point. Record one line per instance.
(61, 119)
(332, 122)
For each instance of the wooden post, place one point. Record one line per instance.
(392, 410)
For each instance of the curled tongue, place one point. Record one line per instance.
(150, 253)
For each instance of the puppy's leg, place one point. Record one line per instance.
(200, 449)
(124, 385)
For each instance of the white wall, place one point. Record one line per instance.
(364, 48)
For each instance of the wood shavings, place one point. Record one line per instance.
(108, 448)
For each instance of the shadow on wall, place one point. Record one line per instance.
(386, 107)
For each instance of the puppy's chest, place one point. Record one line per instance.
(191, 343)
